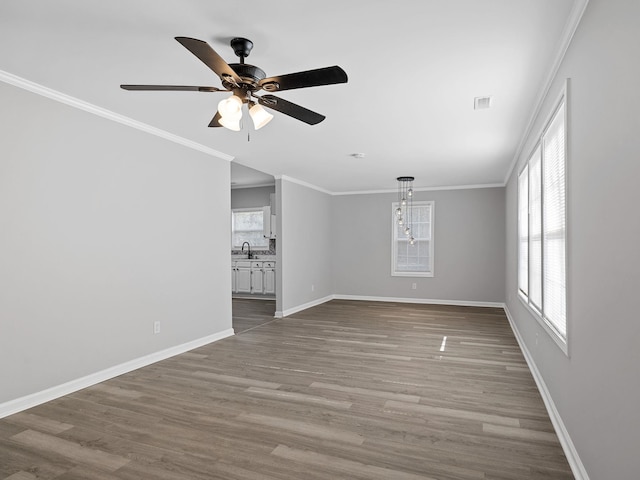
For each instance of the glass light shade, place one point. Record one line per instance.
(412, 241)
(407, 231)
(230, 107)
(398, 211)
(259, 116)
(400, 221)
(230, 123)
(410, 192)
(403, 202)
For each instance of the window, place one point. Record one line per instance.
(247, 225)
(413, 260)
(542, 228)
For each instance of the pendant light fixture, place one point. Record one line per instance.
(404, 211)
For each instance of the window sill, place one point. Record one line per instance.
(412, 274)
(559, 341)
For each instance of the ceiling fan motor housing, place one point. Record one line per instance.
(249, 74)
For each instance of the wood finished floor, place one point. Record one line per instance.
(344, 390)
(249, 313)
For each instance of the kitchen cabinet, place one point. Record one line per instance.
(269, 280)
(268, 223)
(243, 277)
(257, 277)
(253, 276)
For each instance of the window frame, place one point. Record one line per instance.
(238, 248)
(394, 249)
(539, 313)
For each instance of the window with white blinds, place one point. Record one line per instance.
(247, 225)
(413, 260)
(542, 227)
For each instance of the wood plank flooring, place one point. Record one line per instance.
(249, 313)
(344, 390)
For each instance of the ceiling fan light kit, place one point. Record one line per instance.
(259, 116)
(244, 81)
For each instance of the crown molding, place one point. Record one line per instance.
(258, 185)
(423, 189)
(369, 192)
(304, 184)
(577, 10)
(33, 87)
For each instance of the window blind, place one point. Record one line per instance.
(554, 228)
(523, 231)
(542, 228)
(247, 226)
(417, 259)
(535, 229)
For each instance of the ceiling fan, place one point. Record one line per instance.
(245, 80)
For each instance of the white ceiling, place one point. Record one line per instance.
(414, 68)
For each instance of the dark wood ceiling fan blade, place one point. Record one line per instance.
(210, 58)
(181, 88)
(308, 78)
(215, 121)
(291, 109)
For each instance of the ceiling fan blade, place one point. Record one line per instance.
(291, 109)
(215, 121)
(183, 88)
(210, 58)
(309, 78)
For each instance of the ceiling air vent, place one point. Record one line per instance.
(481, 102)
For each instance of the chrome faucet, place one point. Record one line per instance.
(248, 245)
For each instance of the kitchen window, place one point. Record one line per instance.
(247, 225)
(413, 260)
(542, 229)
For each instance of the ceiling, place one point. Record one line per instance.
(414, 68)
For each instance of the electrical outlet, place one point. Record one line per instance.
(156, 327)
(414, 286)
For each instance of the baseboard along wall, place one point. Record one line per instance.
(34, 399)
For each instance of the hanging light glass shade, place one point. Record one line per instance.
(259, 116)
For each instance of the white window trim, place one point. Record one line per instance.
(236, 248)
(394, 249)
(562, 343)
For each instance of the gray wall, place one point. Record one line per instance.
(251, 197)
(304, 245)
(104, 230)
(597, 390)
(469, 247)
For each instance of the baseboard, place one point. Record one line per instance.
(459, 303)
(430, 301)
(34, 399)
(304, 306)
(577, 467)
